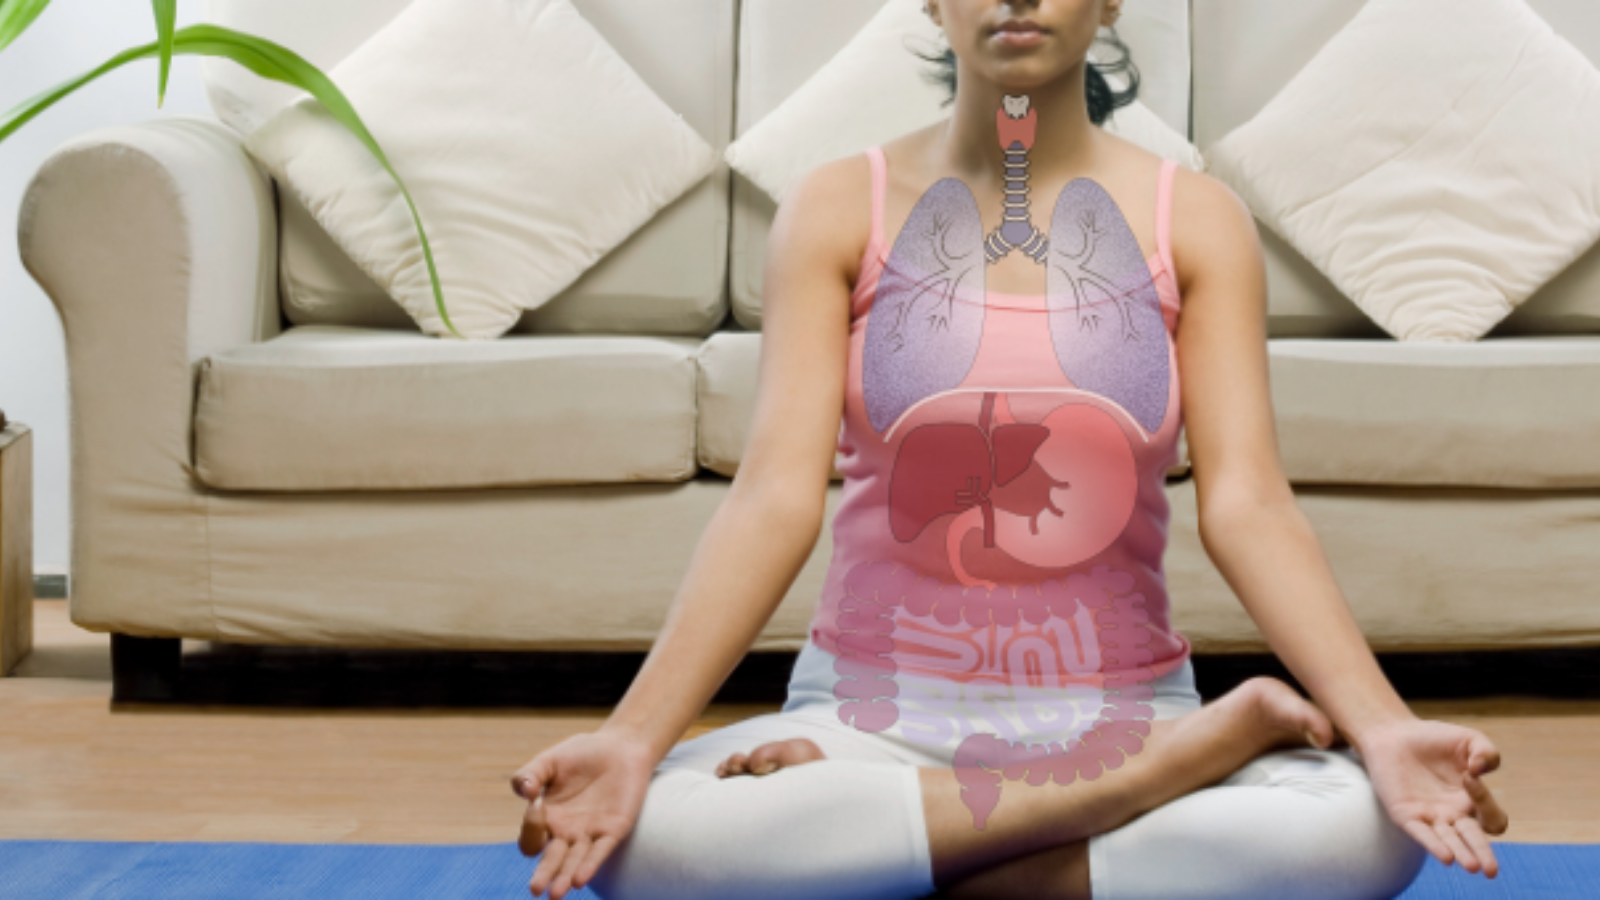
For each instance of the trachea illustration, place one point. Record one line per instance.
(1016, 121)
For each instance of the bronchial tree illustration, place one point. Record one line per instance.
(927, 315)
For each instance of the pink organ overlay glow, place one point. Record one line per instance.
(996, 580)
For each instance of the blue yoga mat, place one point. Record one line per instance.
(98, 870)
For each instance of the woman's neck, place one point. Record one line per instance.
(1065, 141)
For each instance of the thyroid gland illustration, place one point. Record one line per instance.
(1014, 438)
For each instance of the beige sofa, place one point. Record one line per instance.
(256, 470)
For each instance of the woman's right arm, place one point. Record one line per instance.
(593, 785)
(768, 525)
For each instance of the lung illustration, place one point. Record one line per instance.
(926, 318)
(1105, 313)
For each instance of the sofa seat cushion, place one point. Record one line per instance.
(331, 408)
(1506, 412)
(729, 362)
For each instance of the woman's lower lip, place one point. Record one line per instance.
(1018, 38)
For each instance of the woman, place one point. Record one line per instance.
(1031, 728)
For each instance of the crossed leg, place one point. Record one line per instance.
(860, 827)
(1291, 822)
(1300, 821)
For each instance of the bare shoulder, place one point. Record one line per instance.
(825, 217)
(1214, 235)
(817, 237)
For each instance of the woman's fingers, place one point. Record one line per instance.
(597, 855)
(1472, 833)
(529, 781)
(1482, 758)
(1424, 835)
(534, 830)
(733, 765)
(569, 866)
(549, 864)
(1447, 833)
(1490, 815)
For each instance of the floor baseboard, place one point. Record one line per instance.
(49, 587)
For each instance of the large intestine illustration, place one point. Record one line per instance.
(1047, 490)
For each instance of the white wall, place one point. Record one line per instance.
(72, 36)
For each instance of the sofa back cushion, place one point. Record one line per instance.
(1245, 51)
(669, 277)
(782, 43)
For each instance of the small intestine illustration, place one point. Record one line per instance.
(868, 662)
(1047, 490)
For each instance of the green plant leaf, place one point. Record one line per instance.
(16, 16)
(264, 58)
(166, 19)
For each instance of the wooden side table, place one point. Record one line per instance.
(16, 545)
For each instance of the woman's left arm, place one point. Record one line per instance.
(1426, 773)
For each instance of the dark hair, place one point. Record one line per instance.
(1103, 101)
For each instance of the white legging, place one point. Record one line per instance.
(1301, 823)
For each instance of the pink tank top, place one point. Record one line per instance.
(999, 521)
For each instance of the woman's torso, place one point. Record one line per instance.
(999, 535)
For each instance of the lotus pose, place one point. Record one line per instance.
(992, 701)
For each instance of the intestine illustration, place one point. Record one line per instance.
(1048, 478)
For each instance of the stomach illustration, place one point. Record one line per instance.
(1049, 494)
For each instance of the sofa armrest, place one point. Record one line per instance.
(157, 243)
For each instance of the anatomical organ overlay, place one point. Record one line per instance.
(1000, 533)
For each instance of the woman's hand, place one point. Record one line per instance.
(584, 796)
(1427, 774)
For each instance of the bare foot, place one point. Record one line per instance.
(1200, 748)
(770, 757)
(1284, 717)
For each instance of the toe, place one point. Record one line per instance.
(769, 758)
(737, 764)
(804, 750)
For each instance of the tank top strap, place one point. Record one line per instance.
(1169, 168)
(880, 188)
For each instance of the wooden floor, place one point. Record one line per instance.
(71, 766)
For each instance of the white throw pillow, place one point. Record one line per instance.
(530, 147)
(876, 89)
(321, 32)
(1437, 160)
(317, 282)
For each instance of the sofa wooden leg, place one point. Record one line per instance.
(144, 669)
